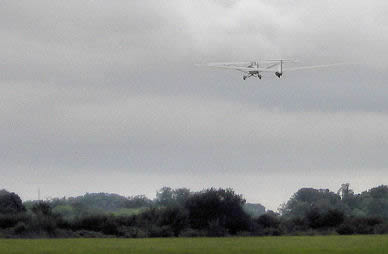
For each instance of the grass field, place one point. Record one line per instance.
(129, 211)
(277, 245)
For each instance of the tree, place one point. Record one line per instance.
(138, 201)
(181, 195)
(307, 198)
(42, 208)
(333, 218)
(168, 197)
(348, 198)
(254, 210)
(164, 197)
(222, 207)
(10, 202)
(375, 201)
(268, 221)
(345, 192)
(174, 217)
(44, 221)
(101, 201)
(314, 218)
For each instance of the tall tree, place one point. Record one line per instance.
(307, 198)
(10, 202)
(222, 207)
(345, 192)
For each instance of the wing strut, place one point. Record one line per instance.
(280, 72)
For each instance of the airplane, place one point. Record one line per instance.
(257, 68)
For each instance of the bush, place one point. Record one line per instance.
(89, 223)
(216, 228)
(127, 221)
(163, 231)
(272, 231)
(244, 233)
(110, 227)
(20, 228)
(268, 221)
(381, 228)
(89, 234)
(42, 208)
(176, 218)
(10, 220)
(345, 229)
(132, 232)
(366, 225)
(189, 232)
(43, 226)
(294, 225)
(97, 223)
(333, 218)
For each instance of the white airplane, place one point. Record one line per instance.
(257, 68)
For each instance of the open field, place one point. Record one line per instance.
(277, 245)
(129, 211)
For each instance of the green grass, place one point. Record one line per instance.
(129, 211)
(272, 245)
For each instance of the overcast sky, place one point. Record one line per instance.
(104, 96)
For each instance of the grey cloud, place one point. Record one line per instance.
(108, 91)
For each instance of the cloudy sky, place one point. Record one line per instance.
(104, 96)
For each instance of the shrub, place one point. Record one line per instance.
(163, 231)
(215, 228)
(189, 232)
(10, 220)
(89, 234)
(43, 226)
(176, 218)
(20, 228)
(381, 228)
(268, 221)
(131, 232)
(345, 229)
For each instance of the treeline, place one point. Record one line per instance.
(106, 203)
(96, 203)
(182, 213)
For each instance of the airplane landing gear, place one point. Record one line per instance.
(251, 75)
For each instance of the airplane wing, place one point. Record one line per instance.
(275, 66)
(272, 65)
(229, 64)
(240, 68)
(312, 67)
(237, 68)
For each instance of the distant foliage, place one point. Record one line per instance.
(96, 203)
(168, 197)
(371, 203)
(306, 199)
(217, 208)
(182, 213)
(254, 210)
(10, 203)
